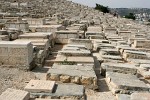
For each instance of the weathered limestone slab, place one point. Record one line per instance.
(45, 28)
(96, 37)
(132, 40)
(110, 30)
(140, 96)
(135, 55)
(63, 36)
(41, 44)
(86, 42)
(124, 33)
(37, 35)
(145, 66)
(138, 61)
(118, 67)
(144, 70)
(97, 43)
(125, 83)
(93, 33)
(75, 46)
(109, 52)
(110, 58)
(105, 46)
(141, 44)
(123, 48)
(38, 86)
(61, 41)
(12, 94)
(95, 28)
(145, 74)
(74, 51)
(75, 59)
(65, 91)
(16, 53)
(123, 97)
(124, 43)
(73, 74)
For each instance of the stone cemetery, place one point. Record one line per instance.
(61, 50)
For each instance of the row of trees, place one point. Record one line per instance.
(102, 8)
(105, 9)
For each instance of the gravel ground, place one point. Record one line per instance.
(14, 78)
(93, 95)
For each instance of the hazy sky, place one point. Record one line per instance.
(117, 3)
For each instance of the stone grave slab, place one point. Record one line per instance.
(73, 74)
(123, 97)
(75, 52)
(67, 91)
(110, 58)
(125, 83)
(75, 59)
(109, 52)
(140, 96)
(13, 94)
(86, 42)
(37, 86)
(118, 67)
(135, 54)
(138, 61)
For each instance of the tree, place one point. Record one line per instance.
(102, 8)
(130, 16)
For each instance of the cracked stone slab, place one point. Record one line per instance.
(125, 83)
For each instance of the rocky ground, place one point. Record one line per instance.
(14, 78)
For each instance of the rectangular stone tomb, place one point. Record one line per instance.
(73, 74)
(109, 52)
(125, 83)
(105, 46)
(12, 94)
(110, 58)
(118, 67)
(16, 53)
(65, 91)
(40, 86)
(37, 35)
(86, 42)
(63, 36)
(138, 61)
(135, 55)
(75, 46)
(141, 43)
